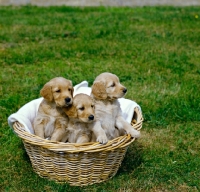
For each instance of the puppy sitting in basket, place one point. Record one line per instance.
(106, 90)
(51, 121)
(82, 126)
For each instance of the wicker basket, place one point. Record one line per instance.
(77, 164)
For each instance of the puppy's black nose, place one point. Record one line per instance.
(125, 90)
(91, 117)
(67, 100)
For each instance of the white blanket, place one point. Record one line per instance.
(26, 114)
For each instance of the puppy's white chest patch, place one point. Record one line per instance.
(106, 113)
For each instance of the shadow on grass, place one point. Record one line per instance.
(25, 155)
(132, 159)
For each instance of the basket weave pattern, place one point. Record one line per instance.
(76, 164)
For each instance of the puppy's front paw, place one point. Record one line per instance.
(102, 139)
(135, 133)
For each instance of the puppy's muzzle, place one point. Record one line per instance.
(91, 117)
(67, 100)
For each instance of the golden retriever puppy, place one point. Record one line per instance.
(106, 89)
(82, 121)
(51, 121)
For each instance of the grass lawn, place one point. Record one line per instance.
(155, 51)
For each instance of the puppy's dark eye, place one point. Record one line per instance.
(58, 91)
(69, 89)
(81, 108)
(113, 85)
(92, 106)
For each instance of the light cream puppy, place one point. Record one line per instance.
(106, 90)
(82, 121)
(51, 121)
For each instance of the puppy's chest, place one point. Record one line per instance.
(108, 111)
(107, 114)
(78, 127)
(53, 111)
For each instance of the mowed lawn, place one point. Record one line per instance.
(155, 51)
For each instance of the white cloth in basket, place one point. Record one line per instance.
(26, 114)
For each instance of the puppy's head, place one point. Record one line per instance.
(58, 90)
(82, 108)
(107, 87)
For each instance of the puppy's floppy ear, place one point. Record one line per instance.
(71, 111)
(99, 90)
(46, 92)
(72, 91)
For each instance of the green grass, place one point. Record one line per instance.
(155, 51)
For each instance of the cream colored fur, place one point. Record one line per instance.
(106, 89)
(51, 121)
(82, 126)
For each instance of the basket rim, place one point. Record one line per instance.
(119, 142)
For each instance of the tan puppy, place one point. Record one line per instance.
(51, 121)
(82, 121)
(106, 89)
